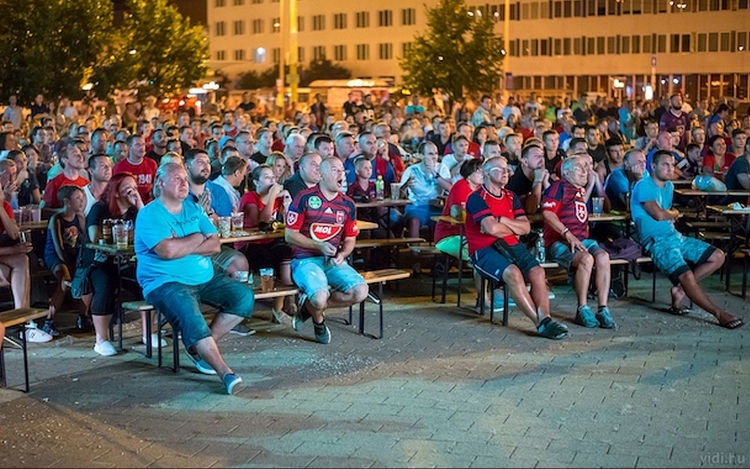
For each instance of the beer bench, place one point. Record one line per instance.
(380, 277)
(18, 317)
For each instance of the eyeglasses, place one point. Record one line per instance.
(498, 169)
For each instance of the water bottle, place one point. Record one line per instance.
(541, 254)
(380, 188)
(14, 200)
(716, 168)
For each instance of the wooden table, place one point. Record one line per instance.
(702, 196)
(257, 235)
(737, 231)
(387, 204)
(34, 225)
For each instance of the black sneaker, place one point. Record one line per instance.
(49, 327)
(83, 324)
(322, 333)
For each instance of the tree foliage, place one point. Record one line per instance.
(317, 70)
(156, 51)
(50, 46)
(459, 53)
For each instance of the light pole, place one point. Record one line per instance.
(506, 47)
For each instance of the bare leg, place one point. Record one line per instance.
(239, 264)
(603, 276)
(222, 324)
(583, 263)
(317, 304)
(101, 326)
(356, 295)
(713, 264)
(209, 351)
(413, 226)
(513, 278)
(695, 293)
(539, 292)
(18, 275)
(61, 273)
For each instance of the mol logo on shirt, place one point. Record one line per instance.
(322, 232)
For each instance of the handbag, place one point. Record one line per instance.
(81, 283)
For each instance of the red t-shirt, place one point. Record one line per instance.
(457, 196)
(569, 204)
(482, 203)
(253, 198)
(50, 192)
(709, 160)
(9, 210)
(144, 174)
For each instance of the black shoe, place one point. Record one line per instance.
(83, 324)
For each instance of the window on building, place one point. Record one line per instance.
(647, 44)
(685, 43)
(600, 45)
(544, 10)
(724, 43)
(674, 43)
(662, 43)
(702, 42)
(339, 21)
(301, 54)
(662, 5)
(525, 48)
(275, 55)
(590, 7)
(713, 42)
(300, 23)
(578, 8)
(557, 10)
(363, 51)
(386, 51)
(613, 7)
(363, 19)
(534, 47)
(636, 44)
(648, 7)
(257, 2)
(408, 16)
(590, 46)
(239, 3)
(319, 53)
(221, 55)
(220, 3)
(611, 45)
(567, 46)
(260, 55)
(275, 25)
(558, 46)
(637, 7)
(239, 28)
(239, 54)
(601, 7)
(626, 6)
(567, 8)
(319, 22)
(742, 41)
(625, 44)
(534, 11)
(514, 12)
(339, 53)
(220, 28)
(743, 4)
(544, 47)
(385, 18)
(258, 26)
(405, 48)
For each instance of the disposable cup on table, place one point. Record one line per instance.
(238, 221)
(598, 204)
(225, 226)
(395, 191)
(120, 233)
(266, 280)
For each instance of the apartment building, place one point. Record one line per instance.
(614, 47)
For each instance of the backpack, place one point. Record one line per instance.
(624, 248)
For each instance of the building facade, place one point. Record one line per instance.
(612, 47)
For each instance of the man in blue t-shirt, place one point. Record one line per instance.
(621, 181)
(651, 209)
(173, 241)
(738, 176)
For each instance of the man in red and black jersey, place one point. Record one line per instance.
(494, 221)
(322, 229)
(566, 235)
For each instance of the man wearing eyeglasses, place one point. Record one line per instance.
(494, 221)
(566, 235)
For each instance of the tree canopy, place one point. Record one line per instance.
(459, 53)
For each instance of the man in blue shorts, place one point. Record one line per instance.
(651, 209)
(173, 241)
(494, 221)
(321, 226)
(566, 234)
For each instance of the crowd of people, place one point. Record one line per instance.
(170, 176)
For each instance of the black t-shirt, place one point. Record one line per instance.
(259, 157)
(551, 164)
(598, 153)
(247, 107)
(154, 156)
(294, 185)
(26, 191)
(98, 213)
(519, 184)
(350, 108)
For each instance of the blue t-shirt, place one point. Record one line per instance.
(154, 224)
(739, 166)
(423, 186)
(221, 204)
(646, 226)
(616, 187)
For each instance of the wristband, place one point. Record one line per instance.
(562, 233)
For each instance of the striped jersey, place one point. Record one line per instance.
(483, 203)
(569, 204)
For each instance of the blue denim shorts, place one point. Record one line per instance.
(314, 274)
(674, 252)
(561, 253)
(492, 264)
(423, 213)
(180, 304)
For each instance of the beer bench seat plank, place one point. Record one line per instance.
(377, 243)
(380, 277)
(19, 317)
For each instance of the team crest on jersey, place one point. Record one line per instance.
(291, 218)
(340, 217)
(581, 213)
(314, 202)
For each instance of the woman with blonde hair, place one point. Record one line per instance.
(281, 166)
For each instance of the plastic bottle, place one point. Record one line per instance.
(716, 168)
(14, 200)
(380, 188)
(541, 253)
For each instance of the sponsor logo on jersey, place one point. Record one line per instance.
(324, 232)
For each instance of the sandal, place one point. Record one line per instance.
(733, 324)
(678, 311)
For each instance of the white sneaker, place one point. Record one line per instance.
(37, 336)
(105, 349)
(154, 339)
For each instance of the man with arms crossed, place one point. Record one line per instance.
(651, 209)
(173, 241)
(322, 229)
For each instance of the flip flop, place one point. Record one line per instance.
(678, 311)
(733, 324)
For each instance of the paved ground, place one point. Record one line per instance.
(445, 388)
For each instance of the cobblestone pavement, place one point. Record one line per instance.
(444, 388)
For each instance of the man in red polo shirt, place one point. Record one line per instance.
(566, 233)
(494, 221)
(142, 168)
(72, 160)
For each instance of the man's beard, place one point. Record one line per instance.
(199, 179)
(677, 108)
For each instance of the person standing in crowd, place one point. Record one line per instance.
(322, 229)
(566, 237)
(654, 217)
(173, 241)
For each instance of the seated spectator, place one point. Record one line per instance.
(173, 241)
(282, 169)
(620, 183)
(718, 161)
(494, 221)
(451, 163)
(321, 240)
(306, 177)
(64, 240)
(72, 162)
(566, 237)
(654, 217)
(363, 190)
(368, 148)
(266, 205)
(420, 182)
(613, 160)
(17, 177)
(121, 200)
(531, 180)
(100, 169)
(694, 159)
(233, 172)
(737, 178)
(139, 166)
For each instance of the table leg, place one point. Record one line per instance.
(460, 264)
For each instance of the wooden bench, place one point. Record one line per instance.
(380, 277)
(379, 243)
(19, 317)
